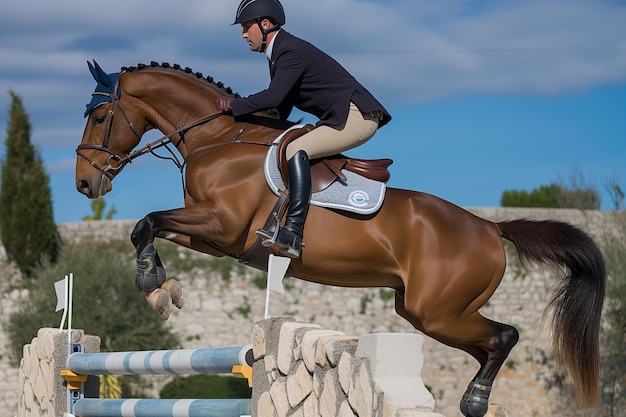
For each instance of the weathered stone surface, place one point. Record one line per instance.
(264, 406)
(328, 401)
(298, 412)
(345, 410)
(310, 343)
(299, 385)
(258, 341)
(392, 354)
(278, 392)
(321, 350)
(335, 348)
(361, 396)
(291, 334)
(310, 407)
(344, 371)
(261, 382)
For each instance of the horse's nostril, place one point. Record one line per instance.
(83, 187)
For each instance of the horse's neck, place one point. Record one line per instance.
(173, 99)
(176, 102)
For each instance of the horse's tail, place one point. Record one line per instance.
(576, 302)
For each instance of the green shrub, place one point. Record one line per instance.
(105, 301)
(207, 386)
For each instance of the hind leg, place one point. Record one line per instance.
(487, 341)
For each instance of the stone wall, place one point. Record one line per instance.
(219, 310)
(302, 370)
(40, 389)
(299, 370)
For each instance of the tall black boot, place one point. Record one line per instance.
(289, 240)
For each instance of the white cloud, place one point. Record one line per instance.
(406, 51)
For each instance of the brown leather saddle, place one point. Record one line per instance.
(325, 171)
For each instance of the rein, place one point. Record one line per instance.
(115, 163)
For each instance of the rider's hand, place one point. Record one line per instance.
(223, 104)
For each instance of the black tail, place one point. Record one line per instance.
(577, 301)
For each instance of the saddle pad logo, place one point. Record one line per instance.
(358, 198)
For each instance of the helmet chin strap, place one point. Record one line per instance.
(265, 32)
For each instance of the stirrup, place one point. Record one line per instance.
(268, 237)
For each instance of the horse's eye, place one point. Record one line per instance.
(98, 120)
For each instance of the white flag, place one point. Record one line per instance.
(60, 287)
(276, 270)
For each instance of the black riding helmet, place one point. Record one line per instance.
(258, 10)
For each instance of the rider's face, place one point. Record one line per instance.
(252, 34)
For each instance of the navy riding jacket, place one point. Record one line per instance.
(304, 77)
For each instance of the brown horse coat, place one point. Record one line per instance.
(443, 262)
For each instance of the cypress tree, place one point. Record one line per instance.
(27, 227)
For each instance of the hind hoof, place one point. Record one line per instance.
(160, 301)
(175, 289)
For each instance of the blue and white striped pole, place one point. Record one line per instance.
(92, 407)
(184, 361)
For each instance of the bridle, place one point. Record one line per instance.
(115, 162)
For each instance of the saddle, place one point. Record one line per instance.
(325, 171)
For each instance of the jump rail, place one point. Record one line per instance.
(94, 407)
(237, 360)
(184, 361)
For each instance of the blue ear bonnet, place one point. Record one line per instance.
(106, 84)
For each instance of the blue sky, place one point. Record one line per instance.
(486, 96)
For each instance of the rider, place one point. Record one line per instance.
(304, 77)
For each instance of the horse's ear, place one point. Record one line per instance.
(99, 75)
(92, 70)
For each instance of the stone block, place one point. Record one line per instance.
(299, 385)
(330, 397)
(310, 343)
(393, 354)
(361, 395)
(258, 341)
(404, 393)
(267, 333)
(321, 351)
(336, 347)
(310, 407)
(344, 371)
(291, 334)
(264, 406)
(278, 393)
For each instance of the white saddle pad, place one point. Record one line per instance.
(357, 194)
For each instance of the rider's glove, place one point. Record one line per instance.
(223, 104)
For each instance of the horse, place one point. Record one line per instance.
(443, 262)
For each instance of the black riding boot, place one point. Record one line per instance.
(289, 240)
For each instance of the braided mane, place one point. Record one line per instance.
(187, 70)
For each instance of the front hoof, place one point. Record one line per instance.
(175, 289)
(475, 402)
(161, 302)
